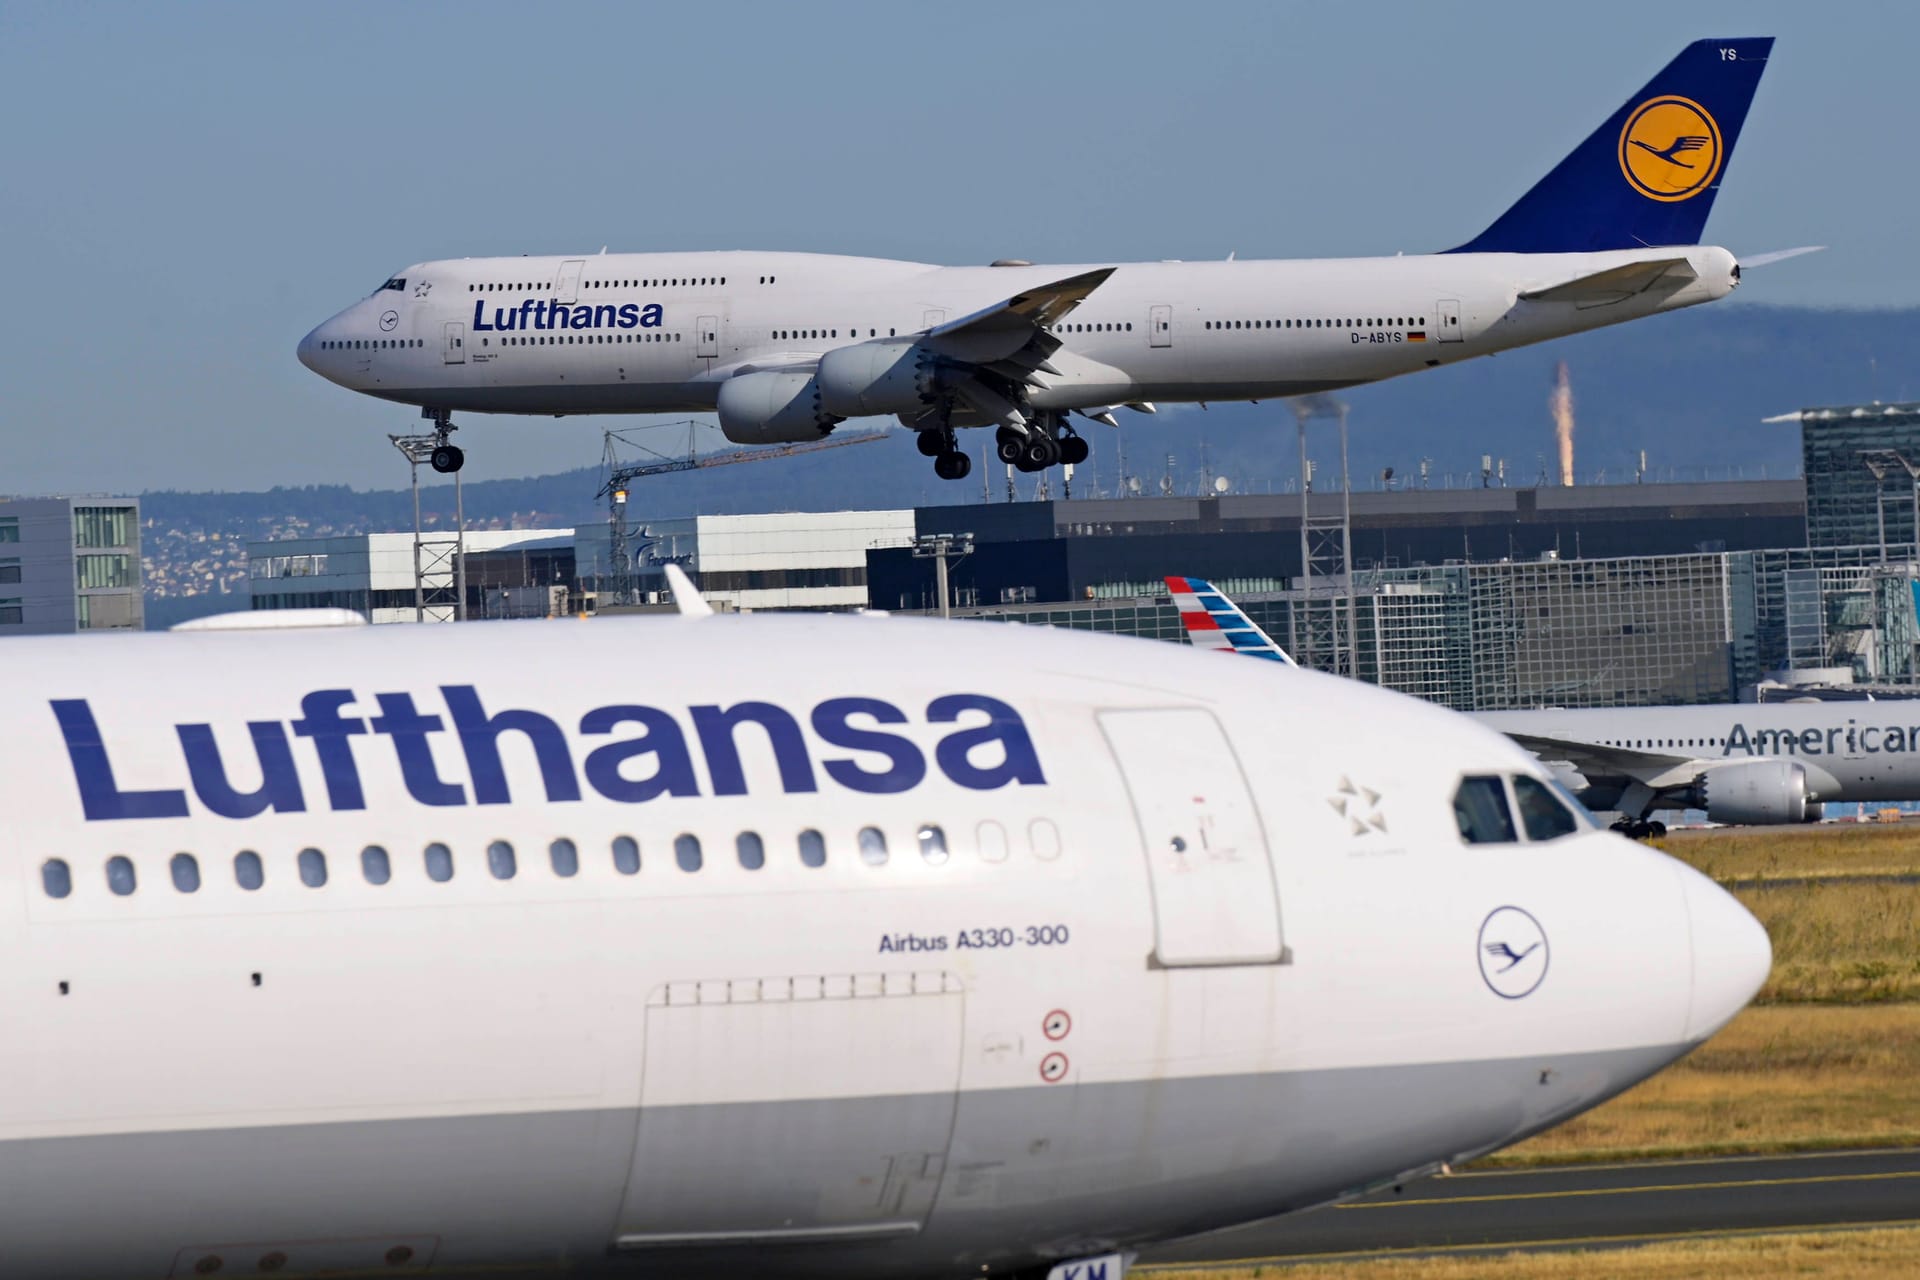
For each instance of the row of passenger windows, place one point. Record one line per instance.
(1093, 328)
(677, 282)
(811, 335)
(1388, 322)
(809, 849)
(576, 339)
(1547, 811)
(1663, 742)
(372, 344)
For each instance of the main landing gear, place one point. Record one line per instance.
(1639, 829)
(1046, 439)
(948, 462)
(447, 457)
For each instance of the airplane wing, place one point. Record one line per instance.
(1016, 328)
(1595, 761)
(1615, 284)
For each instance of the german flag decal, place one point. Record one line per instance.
(1416, 335)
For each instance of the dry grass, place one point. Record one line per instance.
(1774, 852)
(1780, 1078)
(1863, 1254)
(1847, 941)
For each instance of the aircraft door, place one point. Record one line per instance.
(1214, 899)
(1159, 326)
(709, 338)
(456, 342)
(793, 1109)
(1447, 315)
(566, 287)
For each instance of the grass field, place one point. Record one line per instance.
(1840, 941)
(1868, 1254)
(1835, 850)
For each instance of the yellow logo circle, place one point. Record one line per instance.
(1670, 148)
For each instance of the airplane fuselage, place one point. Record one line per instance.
(656, 333)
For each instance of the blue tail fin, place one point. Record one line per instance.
(1648, 175)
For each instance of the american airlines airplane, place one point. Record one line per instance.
(785, 346)
(611, 949)
(1744, 764)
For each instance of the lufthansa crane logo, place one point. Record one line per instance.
(1513, 952)
(1670, 148)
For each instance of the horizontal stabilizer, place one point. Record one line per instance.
(1615, 284)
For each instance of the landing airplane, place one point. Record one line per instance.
(422, 951)
(1744, 764)
(786, 346)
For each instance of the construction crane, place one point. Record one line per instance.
(620, 475)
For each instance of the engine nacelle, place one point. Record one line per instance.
(1757, 793)
(773, 408)
(873, 378)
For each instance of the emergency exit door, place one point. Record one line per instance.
(1214, 899)
(1448, 318)
(456, 342)
(709, 338)
(1159, 326)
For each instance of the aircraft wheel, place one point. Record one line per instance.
(1656, 829)
(1008, 447)
(1074, 450)
(448, 458)
(928, 442)
(1038, 453)
(952, 466)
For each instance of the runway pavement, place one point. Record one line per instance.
(1582, 1205)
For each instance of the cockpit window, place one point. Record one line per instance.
(1480, 810)
(398, 284)
(1544, 815)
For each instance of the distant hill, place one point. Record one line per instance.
(1690, 389)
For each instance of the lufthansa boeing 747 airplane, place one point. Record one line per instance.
(415, 951)
(785, 346)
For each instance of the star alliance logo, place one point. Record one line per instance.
(1360, 806)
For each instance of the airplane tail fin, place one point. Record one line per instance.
(1215, 622)
(1648, 175)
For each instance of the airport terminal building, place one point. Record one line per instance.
(69, 565)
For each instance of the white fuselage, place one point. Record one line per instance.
(660, 332)
(618, 948)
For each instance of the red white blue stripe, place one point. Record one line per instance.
(1215, 622)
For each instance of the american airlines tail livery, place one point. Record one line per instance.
(785, 346)
(416, 951)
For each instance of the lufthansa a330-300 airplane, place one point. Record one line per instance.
(487, 950)
(785, 346)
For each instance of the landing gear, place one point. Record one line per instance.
(1636, 829)
(948, 462)
(447, 457)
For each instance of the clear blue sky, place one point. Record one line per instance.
(187, 189)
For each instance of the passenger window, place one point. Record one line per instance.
(626, 855)
(439, 860)
(1480, 811)
(1045, 839)
(813, 848)
(313, 868)
(185, 870)
(873, 846)
(120, 877)
(565, 858)
(992, 839)
(500, 860)
(933, 845)
(375, 865)
(56, 878)
(686, 851)
(247, 870)
(752, 851)
(1541, 813)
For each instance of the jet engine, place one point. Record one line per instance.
(772, 407)
(873, 378)
(1757, 793)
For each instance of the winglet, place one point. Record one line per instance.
(1215, 622)
(686, 597)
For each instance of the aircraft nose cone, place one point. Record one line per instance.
(308, 345)
(1731, 956)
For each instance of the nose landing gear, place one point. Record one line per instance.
(446, 457)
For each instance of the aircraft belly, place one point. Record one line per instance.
(1123, 1162)
(563, 398)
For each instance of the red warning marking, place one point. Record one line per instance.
(1053, 1067)
(1056, 1025)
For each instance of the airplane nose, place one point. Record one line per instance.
(306, 349)
(1731, 956)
